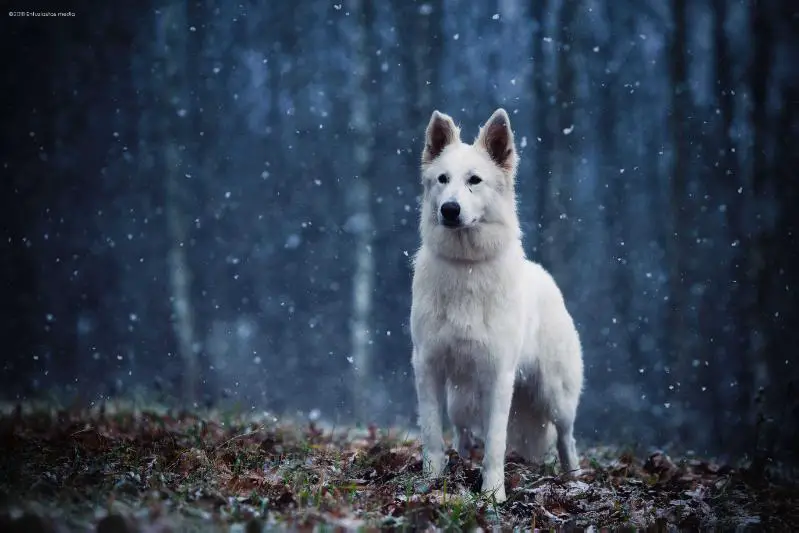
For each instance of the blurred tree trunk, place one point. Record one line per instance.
(204, 135)
(729, 179)
(171, 52)
(426, 59)
(784, 336)
(562, 123)
(540, 116)
(677, 243)
(209, 122)
(419, 63)
(616, 213)
(761, 248)
(360, 204)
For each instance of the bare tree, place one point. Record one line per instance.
(171, 52)
(360, 202)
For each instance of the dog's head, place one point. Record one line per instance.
(469, 188)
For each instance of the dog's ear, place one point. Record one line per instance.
(496, 138)
(441, 132)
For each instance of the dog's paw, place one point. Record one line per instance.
(494, 487)
(496, 494)
(433, 464)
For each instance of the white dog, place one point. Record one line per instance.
(490, 328)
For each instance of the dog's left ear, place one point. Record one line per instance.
(496, 138)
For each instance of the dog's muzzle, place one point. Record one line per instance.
(450, 214)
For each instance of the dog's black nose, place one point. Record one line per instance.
(450, 211)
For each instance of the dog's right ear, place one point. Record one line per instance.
(441, 132)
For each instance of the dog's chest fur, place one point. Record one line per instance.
(462, 306)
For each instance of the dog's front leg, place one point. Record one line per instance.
(430, 381)
(497, 412)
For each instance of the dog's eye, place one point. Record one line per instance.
(443, 178)
(474, 180)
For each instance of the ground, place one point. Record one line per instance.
(125, 469)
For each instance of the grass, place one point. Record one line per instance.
(124, 469)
